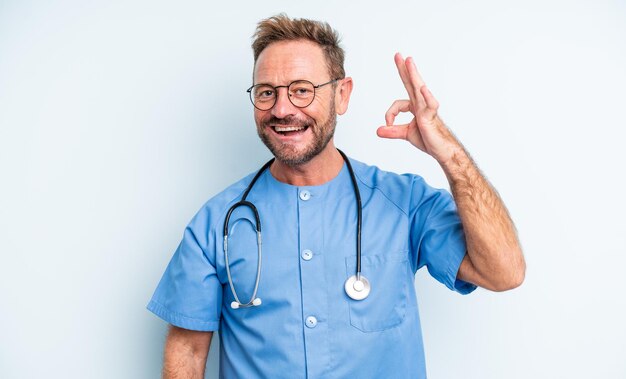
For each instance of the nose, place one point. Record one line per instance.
(283, 106)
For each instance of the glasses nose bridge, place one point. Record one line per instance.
(278, 92)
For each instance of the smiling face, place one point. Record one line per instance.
(295, 135)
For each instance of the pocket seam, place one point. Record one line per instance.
(374, 261)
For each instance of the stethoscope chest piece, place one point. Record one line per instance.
(357, 289)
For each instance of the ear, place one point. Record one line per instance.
(342, 95)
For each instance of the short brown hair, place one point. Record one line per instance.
(282, 28)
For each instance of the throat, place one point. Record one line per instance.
(320, 170)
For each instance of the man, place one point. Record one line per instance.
(308, 323)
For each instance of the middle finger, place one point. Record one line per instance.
(404, 75)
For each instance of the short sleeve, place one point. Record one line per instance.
(437, 238)
(189, 294)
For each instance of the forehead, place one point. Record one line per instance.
(283, 62)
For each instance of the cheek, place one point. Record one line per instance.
(322, 106)
(318, 112)
(260, 116)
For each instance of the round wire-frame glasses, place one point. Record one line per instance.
(301, 94)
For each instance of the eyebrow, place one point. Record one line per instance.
(287, 85)
(282, 85)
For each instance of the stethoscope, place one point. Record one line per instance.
(357, 287)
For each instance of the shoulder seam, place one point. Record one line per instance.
(382, 193)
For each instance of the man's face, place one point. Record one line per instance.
(295, 135)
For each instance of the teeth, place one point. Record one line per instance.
(282, 129)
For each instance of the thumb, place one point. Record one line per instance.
(393, 131)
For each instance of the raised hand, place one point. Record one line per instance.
(426, 131)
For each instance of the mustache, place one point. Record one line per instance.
(289, 120)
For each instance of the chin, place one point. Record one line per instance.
(292, 157)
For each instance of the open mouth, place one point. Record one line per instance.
(287, 130)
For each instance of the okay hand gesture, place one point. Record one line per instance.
(426, 131)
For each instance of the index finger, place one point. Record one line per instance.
(413, 74)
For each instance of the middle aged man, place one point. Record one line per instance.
(304, 318)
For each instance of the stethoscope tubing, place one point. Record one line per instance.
(359, 213)
(254, 301)
(257, 217)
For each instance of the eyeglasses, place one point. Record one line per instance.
(301, 94)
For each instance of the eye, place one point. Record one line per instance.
(264, 93)
(302, 90)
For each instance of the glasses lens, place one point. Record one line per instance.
(301, 93)
(263, 96)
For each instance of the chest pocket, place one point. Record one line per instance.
(386, 305)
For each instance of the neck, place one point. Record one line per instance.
(321, 169)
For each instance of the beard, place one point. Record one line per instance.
(292, 155)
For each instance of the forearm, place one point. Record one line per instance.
(495, 260)
(185, 354)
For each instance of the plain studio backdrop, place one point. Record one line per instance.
(119, 119)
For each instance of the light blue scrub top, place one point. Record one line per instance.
(307, 327)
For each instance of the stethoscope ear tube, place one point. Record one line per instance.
(254, 301)
(240, 204)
